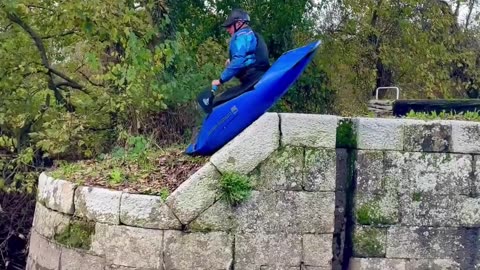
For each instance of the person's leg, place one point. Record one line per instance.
(247, 83)
(205, 100)
(229, 94)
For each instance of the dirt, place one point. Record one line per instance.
(166, 171)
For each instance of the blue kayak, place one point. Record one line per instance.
(230, 118)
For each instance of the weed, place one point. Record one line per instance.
(116, 176)
(235, 188)
(444, 115)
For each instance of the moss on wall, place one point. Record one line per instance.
(76, 235)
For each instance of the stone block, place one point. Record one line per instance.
(274, 250)
(370, 171)
(77, 260)
(433, 264)
(185, 251)
(249, 148)
(119, 267)
(320, 169)
(269, 267)
(47, 222)
(128, 246)
(287, 211)
(431, 136)
(196, 194)
(147, 212)
(219, 217)
(431, 243)
(435, 173)
(283, 170)
(317, 250)
(369, 241)
(420, 209)
(376, 264)
(379, 134)
(377, 209)
(56, 194)
(98, 204)
(476, 173)
(308, 130)
(465, 136)
(43, 188)
(45, 254)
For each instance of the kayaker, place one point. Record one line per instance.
(248, 61)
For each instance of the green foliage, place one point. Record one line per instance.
(76, 235)
(66, 170)
(371, 214)
(164, 193)
(116, 176)
(467, 116)
(235, 188)
(346, 136)
(417, 196)
(367, 242)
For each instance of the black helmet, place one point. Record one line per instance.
(237, 15)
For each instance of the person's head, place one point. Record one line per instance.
(237, 19)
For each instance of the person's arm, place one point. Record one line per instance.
(239, 47)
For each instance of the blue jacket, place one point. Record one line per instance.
(243, 45)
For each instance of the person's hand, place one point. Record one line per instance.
(227, 62)
(216, 83)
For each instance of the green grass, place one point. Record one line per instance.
(235, 188)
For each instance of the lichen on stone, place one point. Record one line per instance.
(369, 242)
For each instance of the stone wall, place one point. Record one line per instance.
(329, 193)
(416, 195)
(288, 223)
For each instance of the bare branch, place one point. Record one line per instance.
(471, 4)
(90, 81)
(38, 41)
(457, 8)
(5, 29)
(71, 32)
(69, 82)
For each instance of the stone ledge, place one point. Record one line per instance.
(98, 204)
(431, 136)
(147, 212)
(465, 137)
(379, 134)
(253, 145)
(195, 195)
(56, 194)
(310, 130)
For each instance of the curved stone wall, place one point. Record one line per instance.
(404, 195)
(287, 223)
